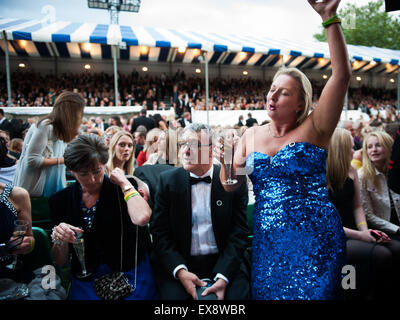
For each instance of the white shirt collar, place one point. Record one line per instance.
(208, 173)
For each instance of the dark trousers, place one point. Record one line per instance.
(377, 268)
(170, 288)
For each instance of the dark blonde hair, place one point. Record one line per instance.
(368, 167)
(305, 92)
(66, 115)
(339, 158)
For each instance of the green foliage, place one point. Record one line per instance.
(368, 25)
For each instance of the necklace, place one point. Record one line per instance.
(275, 136)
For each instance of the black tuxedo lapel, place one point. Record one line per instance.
(219, 205)
(187, 211)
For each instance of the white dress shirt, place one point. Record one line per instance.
(203, 238)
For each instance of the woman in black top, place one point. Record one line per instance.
(95, 205)
(381, 256)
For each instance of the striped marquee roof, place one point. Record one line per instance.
(87, 40)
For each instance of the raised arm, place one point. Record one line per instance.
(327, 114)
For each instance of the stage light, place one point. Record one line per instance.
(145, 69)
(87, 66)
(325, 76)
(242, 55)
(358, 78)
(245, 73)
(181, 49)
(22, 43)
(87, 46)
(22, 65)
(198, 70)
(392, 80)
(144, 50)
(196, 52)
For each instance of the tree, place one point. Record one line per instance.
(368, 25)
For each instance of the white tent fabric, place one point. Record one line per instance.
(251, 49)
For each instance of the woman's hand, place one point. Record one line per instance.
(25, 246)
(65, 232)
(118, 177)
(325, 8)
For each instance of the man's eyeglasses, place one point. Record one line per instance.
(193, 145)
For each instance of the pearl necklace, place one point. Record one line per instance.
(270, 132)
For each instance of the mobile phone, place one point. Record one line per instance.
(375, 234)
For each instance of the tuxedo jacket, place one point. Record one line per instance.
(150, 174)
(171, 226)
(142, 120)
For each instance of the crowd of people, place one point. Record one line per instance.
(152, 200)
(163, 92)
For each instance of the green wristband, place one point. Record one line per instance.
(332, 20)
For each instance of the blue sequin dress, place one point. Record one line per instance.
(299, 243)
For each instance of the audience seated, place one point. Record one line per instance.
(376, 260)
(380, 204)
(100, 207)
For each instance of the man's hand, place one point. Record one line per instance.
(189, 281)
(218, 288)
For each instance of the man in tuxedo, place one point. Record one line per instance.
(142, 120)
(186, 119)
(4, 123)
(199, 230)
(251, 121)
(99, 123)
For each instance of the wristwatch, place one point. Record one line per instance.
(127, 188)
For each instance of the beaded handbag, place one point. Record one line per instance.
(115, 285)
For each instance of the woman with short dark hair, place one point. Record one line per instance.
(110, 213)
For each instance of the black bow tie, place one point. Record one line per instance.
(194, 180)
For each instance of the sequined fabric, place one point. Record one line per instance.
(299, 243)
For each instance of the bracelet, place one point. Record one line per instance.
(131, 195)
(332, 20)
(31, 246)
(361, 223)
(55, 241)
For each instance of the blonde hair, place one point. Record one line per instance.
(368, 167)
(339, 158)
(128, 166)
(151, 137)
(305, 91)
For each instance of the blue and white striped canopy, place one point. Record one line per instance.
(89, 40)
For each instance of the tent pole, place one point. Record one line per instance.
(114, 49)
(8, 72)
(398, 89)
(206, 78)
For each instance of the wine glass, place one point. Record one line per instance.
(20, 228)
(79, 247)
(227, 137)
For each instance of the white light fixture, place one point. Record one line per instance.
(87, 46)
(145, 69)
(87, 66)
(245, 73)
(391, 80)
(325, 76)
(358, 78)
(22, 65)
(198, 70)
(144, 50)
(181, 49)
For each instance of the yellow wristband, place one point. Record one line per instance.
(361, 223)
(131, 195)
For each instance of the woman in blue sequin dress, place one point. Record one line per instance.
(299, 244)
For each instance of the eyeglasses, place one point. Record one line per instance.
(192, 145)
